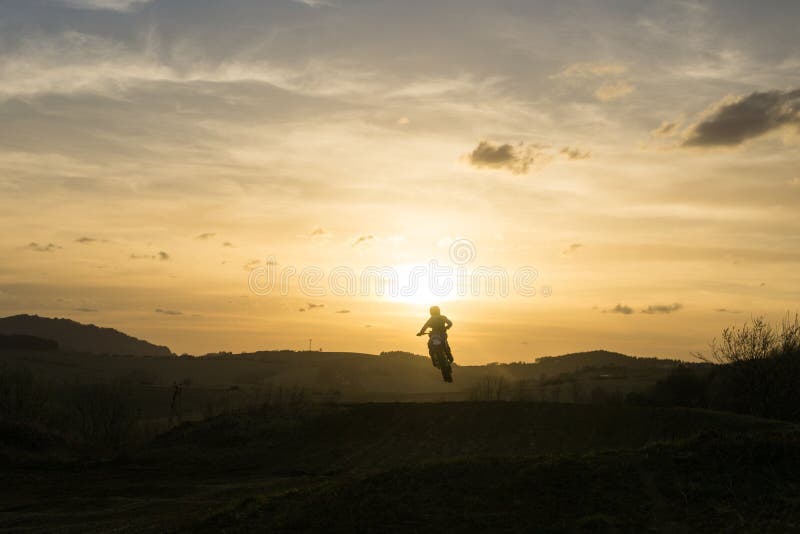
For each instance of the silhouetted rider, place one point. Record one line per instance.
(439, 324)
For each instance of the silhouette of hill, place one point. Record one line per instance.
(71, 335)
(570, 363)
(20, 341)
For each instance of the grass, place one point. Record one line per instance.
(422, 467)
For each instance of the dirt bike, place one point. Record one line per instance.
(437, 347)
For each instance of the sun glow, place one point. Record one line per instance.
(420, 284)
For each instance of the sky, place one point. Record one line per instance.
(628, 170)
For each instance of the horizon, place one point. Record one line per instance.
(619, 174)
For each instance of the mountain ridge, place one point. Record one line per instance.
(72, 335)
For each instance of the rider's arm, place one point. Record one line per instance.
(425, 326)
(447, 323)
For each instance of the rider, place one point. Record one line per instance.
(439, 324)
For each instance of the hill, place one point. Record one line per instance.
(71, 335)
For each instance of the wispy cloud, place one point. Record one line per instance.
(112, 5)
(162, 256)
(662, 308)
(613, 90)
(575, 153)
(205, 236)
(168, 312)
(572, 248)
(620, 308)
(363, 239)
(50, 247)
(590, 70)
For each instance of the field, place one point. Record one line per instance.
(424, 467)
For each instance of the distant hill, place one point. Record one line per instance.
(570, 363)
(75, 336)
(20, 341)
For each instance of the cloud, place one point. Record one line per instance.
(206, 235)
(113, 5)
(363, 239)
(250, 265)
(163, 256)
(50, 247)
(313, 3)
(571, 248)
(320, 232)
(590, 70)
(620, 308)
(86, 310)
(516, 159)
(403, 121)
(613, 90)
(666, 129)
(86, 240)
(575, 153)
(662, 308)
(168, 312)
(301, 309)
(342, 311)
(732, 122)
(227, 244)
(312, 306)
(726, 310)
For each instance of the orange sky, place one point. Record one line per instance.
(642, 158)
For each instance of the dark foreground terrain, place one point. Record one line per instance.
(435, 467)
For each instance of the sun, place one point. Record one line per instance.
(417, 284)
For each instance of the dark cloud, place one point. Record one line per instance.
(50, 247)
(516, 159)
(301, 310)
(168, 312)
(312, 306)
(363, 239)
(86, 240)
(342, 311)
(575, 153)
(620, 308)
(206, 235)
(163, 256)
(662, 308)
(732, 123)
(227, 244)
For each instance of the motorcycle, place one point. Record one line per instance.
(437, 347)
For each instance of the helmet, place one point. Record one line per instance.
(435, 310)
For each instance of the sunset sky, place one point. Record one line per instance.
(643, 157)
